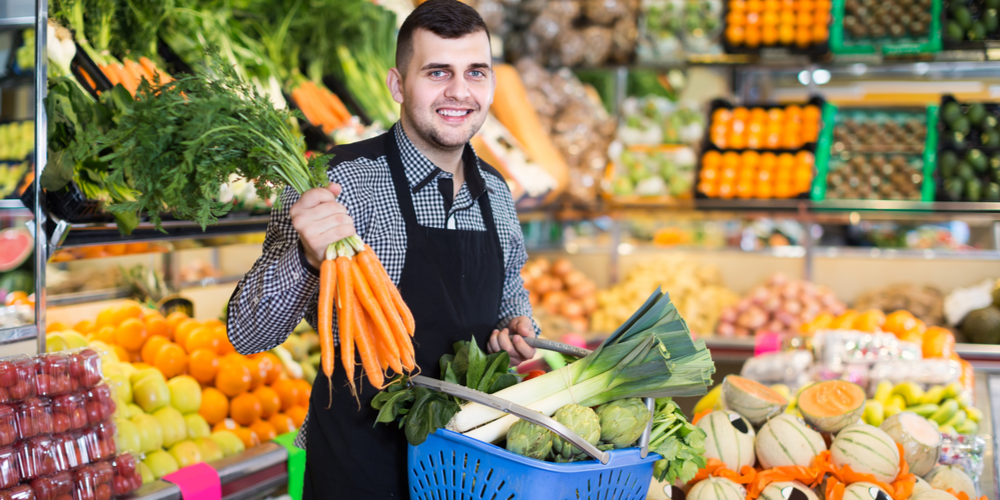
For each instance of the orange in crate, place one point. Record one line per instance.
(214, 406)
(245, 409)
(264, 430)
(203, 365)
(232, 378)
(270, 403)
(282, 423)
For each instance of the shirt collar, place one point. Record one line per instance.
(420, 170)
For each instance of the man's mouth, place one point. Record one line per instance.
(454, 113)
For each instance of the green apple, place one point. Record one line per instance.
(55, 342)
(186, 452)
(127, 438)
(146, 372)
(197, 426)
(150, 432)
(174, 428)
(128, 369)
(161, 463)
(185, 394)
(210, 450)
(121, 384)
(73, 339)
(151, 393)
(132, 410)
(146, 473)
(230, 443)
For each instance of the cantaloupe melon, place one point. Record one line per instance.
(867, 449)
(943, 477)
(920, 439)
(729, 438)
(932, 494)
(786, 440)
(788, 490)
(865, 491)
(921, 485)
(832, 405)
(755, 401)
(716, 488)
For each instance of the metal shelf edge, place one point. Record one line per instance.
(101, 234)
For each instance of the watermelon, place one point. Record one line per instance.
(865, 491)
(786, 440)
(931, 494)
(729, 438)
(16, 244)
(867, 449)
(716, 488)
(787, 490)
(920, 439)
(943, 477)
(755, 401)
(832, 405)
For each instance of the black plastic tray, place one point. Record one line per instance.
(976, 6)
(946, 144)
(815, 51)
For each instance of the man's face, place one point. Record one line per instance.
(448, 87)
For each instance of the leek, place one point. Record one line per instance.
(651, 355)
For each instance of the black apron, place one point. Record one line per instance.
(452, 281)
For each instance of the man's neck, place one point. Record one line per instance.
(448, 160)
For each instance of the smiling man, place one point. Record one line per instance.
(441, 221)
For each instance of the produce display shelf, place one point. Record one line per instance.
(962, 207)
(101, 234)
(25, 80)
(789, 205)
(68, 299)
(13, 204)
(900, 253)
(13, 23)
(255, 473)
(17, 333)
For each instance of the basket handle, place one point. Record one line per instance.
(505, 406)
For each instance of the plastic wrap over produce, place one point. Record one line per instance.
(965, 451)
(926, 372)
(836, 347)
(790, 368)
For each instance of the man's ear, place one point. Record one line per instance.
(395, 82)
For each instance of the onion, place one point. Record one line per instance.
(726, 330)
(533, 299)
(785, 318)
(728, 315)
(774, 326)
(773, 303)
(543, 285)
(809, 289)
(555, 284)
(742, 306)
(792, 307)
(790, 290)
(574, 278)
(552, 300)
(589, 303)
(561, 267)
(742, 332)
(752, 318)
(579, 324)
(778, 279)
(542, 265)
(571, 308)
(582, 290)
(759, 294)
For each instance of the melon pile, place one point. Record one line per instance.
(755, 427)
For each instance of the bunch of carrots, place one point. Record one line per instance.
(130, 73)
(321, 107)
(371, 315)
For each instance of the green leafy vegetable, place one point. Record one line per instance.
(679, 442)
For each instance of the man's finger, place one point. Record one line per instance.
(314, 197)
(525, 351)
(504, 340)
(335, 188)
(493, 344)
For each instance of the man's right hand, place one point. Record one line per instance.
(320, 220)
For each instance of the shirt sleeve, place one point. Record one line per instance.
(515, 301)
(274, 295)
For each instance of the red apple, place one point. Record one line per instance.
(20, 492)
(9, 475)
(8, 374)
(104, 491)
(126, 464)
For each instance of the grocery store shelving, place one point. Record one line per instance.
(16, 333)
(102, 234)
(66, 299)
(11, 205)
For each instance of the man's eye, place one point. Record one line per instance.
(438, 74)
(477, 74)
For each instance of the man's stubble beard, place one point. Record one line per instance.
(431, 135)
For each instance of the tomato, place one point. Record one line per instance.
(534, 374)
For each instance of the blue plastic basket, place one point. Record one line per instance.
(451, 466)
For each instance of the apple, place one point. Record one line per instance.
(8, 373)
(146, 372)
(9, 475)
(186, 452)
(122, 386)
(185, 394)
(52, 374)
(161, 463)
(146, 473)
(19, 492)
(55, 487)
(197, 427)
(73, 339)
(34, 417)
(151, 393)
(132, 410)
(128, 439)
(174, 428)
(100, 405)
(8, 428)
(55, 342)
(230, 443)
(150, 432)
(38, 457)
(210, 450)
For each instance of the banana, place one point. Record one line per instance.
(883, 391)
(897, 401)
(925, 410)
(891, 409)
(957, 419)
(934, 395)
(947, 429)
(945, 412)
(964, 400)
(911, 391)
(975, 414)
(783, 390)
(712, 400)
(953, 390)
(874, 413)
(967, 427)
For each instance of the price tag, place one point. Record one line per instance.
(765, 342)
(993, 54)
(197, 482)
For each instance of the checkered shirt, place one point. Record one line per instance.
(282, 288)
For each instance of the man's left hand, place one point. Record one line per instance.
(518, 349)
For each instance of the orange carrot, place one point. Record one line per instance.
(328, 120)
(134, 70)
(366, 347)
(345, 320)
(111, 74)
(127, 80)
(380, 351)
(327, 287)
(370, 267)
(140, 70)
(88, 79)
(397, 300)
(301, 97)
(333, 104)
(382, 332)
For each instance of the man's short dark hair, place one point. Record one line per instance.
(448, 19)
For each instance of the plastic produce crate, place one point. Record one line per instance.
(845, 40)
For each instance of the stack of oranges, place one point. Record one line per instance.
(252, 395)
(771, 23)
(790, 127)
(755, 175)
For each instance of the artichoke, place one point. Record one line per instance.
(530, 440)
(581, 420)
(623, 421)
